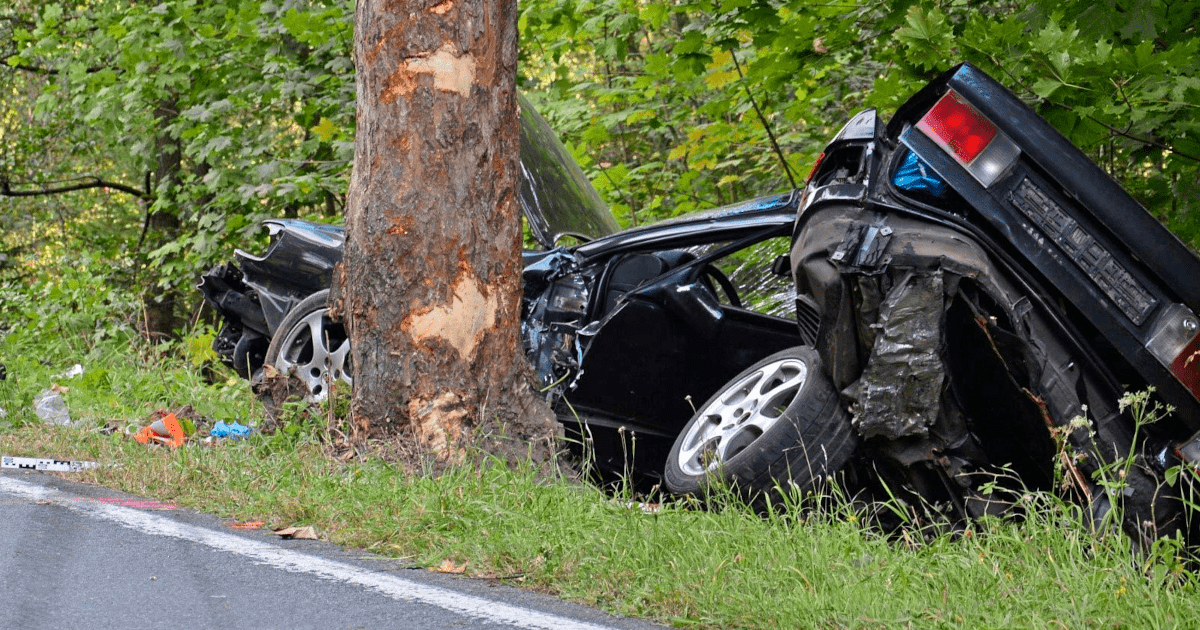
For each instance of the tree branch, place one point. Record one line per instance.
(1154, 143)
(763, 119)
(1113, 130)
(6, 189)
(32, 69)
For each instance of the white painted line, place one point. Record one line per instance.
(293, 561)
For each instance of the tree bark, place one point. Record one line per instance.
(163, 226)
(430, 288)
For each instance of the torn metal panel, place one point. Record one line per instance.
(556, 300)
(863, 248)
(868, 294)
(898, 393)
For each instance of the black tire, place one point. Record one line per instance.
(311, 346)
(778, 424)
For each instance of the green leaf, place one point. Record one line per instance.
(52, 14)
(1046, 86)
(325, 130)
(655, 14)
(928, 37)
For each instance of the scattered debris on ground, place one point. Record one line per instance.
(50, 406)
(235, 430)
(75, 370)
(297, 533)
(166, 430)
(174, 428)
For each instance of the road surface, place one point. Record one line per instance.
(80, 556)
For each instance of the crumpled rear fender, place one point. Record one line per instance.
(855, 262)
(838, 244)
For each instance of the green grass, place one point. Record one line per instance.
(727, 568)
(722, 568)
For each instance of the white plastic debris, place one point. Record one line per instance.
(50, 407)
(75, 370)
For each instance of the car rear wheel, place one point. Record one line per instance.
(777, 425)
(312, 347)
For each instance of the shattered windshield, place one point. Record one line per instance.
(556, 197)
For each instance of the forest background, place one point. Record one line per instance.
(140, 143)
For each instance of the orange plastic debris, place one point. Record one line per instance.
(165, 431)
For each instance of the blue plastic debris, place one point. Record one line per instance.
(915, 175)
(233, 429)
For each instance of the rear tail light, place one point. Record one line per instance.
(967, 135)
(1175, 343)
(816, 165)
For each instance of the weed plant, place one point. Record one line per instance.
(726, 566)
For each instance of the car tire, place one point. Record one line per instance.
(778, 425)
(312, 347)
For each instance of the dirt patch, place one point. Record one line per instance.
(273, 390)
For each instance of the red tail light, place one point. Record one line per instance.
(1175, 342)
(961, 129)
(1186, 366)
(967, 135)
(816, 165)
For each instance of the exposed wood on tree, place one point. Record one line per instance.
(431, 283)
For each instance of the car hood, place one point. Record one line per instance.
(710, 226)
(557, 198)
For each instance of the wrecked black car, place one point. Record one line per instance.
(627, 331)
(984, 296)
(956, 297)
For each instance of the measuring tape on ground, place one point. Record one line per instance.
(38, 463)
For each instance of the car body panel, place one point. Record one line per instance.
(557, 199)
(299, 261)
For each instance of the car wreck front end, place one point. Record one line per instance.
(628, 333)
(253, 294)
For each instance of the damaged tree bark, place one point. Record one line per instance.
(430, 288)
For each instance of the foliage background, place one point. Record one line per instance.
(190, 121)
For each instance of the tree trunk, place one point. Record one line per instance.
(430, 288)
(163, 226)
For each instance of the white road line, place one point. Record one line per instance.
(387, 584)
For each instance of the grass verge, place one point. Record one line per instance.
(727, 568)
